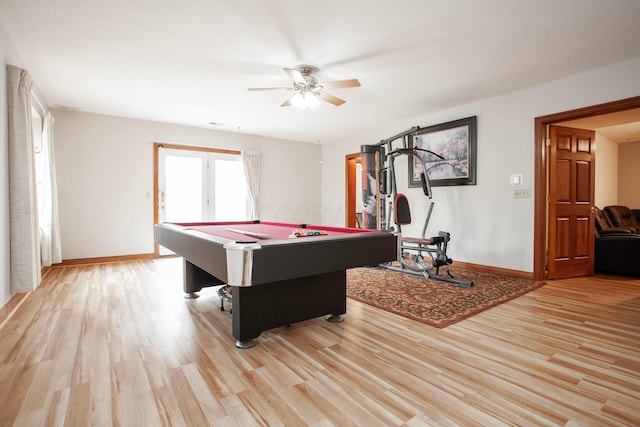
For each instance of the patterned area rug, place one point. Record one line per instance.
(434, 302)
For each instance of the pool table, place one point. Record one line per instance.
(279, 273)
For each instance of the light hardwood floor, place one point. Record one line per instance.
(116, 344)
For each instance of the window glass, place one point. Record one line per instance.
(230, 191)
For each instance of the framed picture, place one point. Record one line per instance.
(456, 142)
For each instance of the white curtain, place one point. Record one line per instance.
(25, 251)
(251, 162)
(50, 247)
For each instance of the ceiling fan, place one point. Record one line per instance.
(307, 90)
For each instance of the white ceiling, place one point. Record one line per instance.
(620, 127)
(191, 61)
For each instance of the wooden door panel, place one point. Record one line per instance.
(563, 181)
(582, 246)
(583, 180)
(571, 198)
(562, 239)
(564, 143)
(585, 145)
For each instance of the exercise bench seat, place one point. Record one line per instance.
(431, 241)
(403, 217)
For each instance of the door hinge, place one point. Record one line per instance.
(548, 142)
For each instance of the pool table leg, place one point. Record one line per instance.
(246, 343)
(195, 279)
(266, 306)
(332, 318)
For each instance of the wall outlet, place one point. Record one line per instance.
(522, 193)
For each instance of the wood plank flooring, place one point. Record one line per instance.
(117, 344)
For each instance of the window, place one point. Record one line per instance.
(196, 185)
(230, 190)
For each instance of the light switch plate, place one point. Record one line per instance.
(522, 193)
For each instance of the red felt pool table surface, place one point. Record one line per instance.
(271, 230)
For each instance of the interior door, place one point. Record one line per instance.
(571, 202)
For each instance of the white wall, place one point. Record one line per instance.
(105, 179)
(606, 191)
(629, 172)
(488, 226)
(8, 55)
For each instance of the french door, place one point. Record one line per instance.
(182, 183)
(200, 185)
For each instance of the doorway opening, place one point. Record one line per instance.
(542, 124)
(353, 191)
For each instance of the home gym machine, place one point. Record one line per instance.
(411, 251)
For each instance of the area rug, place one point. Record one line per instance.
(434, 302)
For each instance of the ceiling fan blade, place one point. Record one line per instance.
(341, 84)
(288, 103)
(268, 88)
(327, 97)
(295, 75)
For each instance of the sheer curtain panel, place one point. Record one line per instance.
(251, 162)
(50, 247)
(25, 251)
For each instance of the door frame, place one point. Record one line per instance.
(156, 189)
(351, 160)
(541, 178)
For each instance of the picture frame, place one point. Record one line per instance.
(456, 142)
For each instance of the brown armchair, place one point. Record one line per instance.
(617, 248)
(618, 254)
(604, 225)
(622, 216)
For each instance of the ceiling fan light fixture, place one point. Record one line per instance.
(307, 91)
(305, 100)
